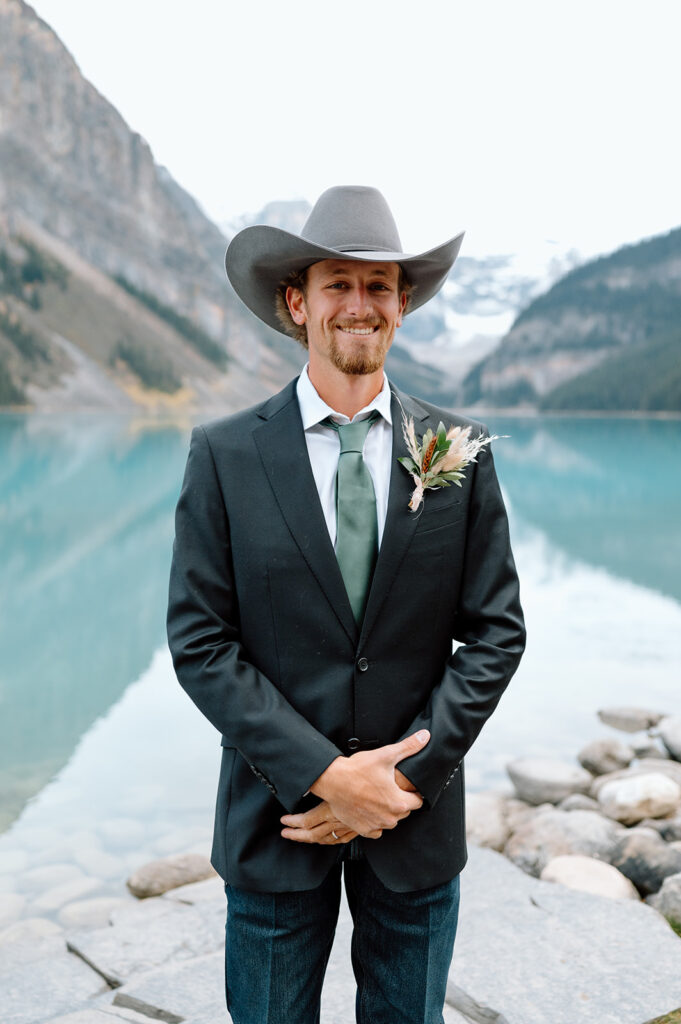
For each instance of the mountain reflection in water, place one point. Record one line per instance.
(86, 506)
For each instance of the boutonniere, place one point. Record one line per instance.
(439, 459)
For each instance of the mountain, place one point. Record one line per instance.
(438, 344)
(112, 287)
(606, 336)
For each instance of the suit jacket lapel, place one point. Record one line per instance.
(281, 443)
(400, 523)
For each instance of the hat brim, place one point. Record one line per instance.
(260, 257)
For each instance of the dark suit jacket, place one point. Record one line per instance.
(264, 641)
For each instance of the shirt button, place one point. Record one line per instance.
(362, 664)
(354, 743)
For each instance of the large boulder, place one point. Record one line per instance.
(629, 719)
(532, 953)
(486, 820)
(158, 876)
(587, 874)
(670, 733)
(630, 800)
(541, 780)
(672, 769)
(601, 756)
(644, 857)
(552, 832)
(668, 899)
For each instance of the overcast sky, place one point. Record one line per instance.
(518, 120)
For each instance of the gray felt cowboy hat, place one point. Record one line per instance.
(350, 222)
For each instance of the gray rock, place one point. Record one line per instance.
(668, 828)
(11, 905)
(29, 929)
(672, 769)
(518, 812)
(647, 747)
(103, 1015)
(629, 719)
(67, 892)
(198, 892)
(552, 832)
(670, 733)
(579, 802)
(631, 800)
(148, 935)
(158, 876)
(39, 980)
(48, 876)
(193, 990)
(539, 780)
(122, 833)
(530, 953)
(486, 820)
(586, 874)
(668, 900)
(94, 913)
(607, 755)
(644, 857)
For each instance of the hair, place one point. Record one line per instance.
(298, 279)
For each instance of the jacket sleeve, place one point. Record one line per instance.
(490, 629)
(285, 752)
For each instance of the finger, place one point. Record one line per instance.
(308, 819)
(404, 783)
(395, 752)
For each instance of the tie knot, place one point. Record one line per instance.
(353, 435)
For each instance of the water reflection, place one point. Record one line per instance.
(86, 524)
(606, 491)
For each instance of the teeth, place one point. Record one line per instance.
(357, 330)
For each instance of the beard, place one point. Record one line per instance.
(363, 358)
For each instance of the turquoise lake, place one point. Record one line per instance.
(105, 763)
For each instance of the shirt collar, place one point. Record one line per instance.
(313, 408)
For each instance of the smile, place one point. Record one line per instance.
(357, 330)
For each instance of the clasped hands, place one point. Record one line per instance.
(360, 795)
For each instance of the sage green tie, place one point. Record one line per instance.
(356, 523)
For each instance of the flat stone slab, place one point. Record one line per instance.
(39, 980)
(528, 952)
(150, 934)
(189, 991)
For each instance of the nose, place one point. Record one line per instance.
(358, 301)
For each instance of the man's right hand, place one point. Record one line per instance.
(362, 792)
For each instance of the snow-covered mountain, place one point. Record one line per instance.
(476, 307)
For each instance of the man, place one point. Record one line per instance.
(311, 619)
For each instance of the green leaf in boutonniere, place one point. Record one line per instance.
(439, 458)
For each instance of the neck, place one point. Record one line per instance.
(346, 393)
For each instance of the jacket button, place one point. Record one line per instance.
(362, 664)
(354, 743)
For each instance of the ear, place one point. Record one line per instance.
(295, 300)
(403, 304)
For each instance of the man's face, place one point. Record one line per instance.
(350, 310)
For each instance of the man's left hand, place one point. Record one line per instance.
(319, 825)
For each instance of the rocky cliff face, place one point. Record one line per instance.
(599, 330)
(80, 184)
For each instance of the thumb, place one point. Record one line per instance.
(408, 746)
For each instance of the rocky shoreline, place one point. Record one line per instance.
(572, 884)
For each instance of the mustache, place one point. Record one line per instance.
(376, 321)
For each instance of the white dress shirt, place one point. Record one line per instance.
(323, 448)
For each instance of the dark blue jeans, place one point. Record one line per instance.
(278, 946)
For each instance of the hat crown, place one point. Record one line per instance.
(352, 218)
